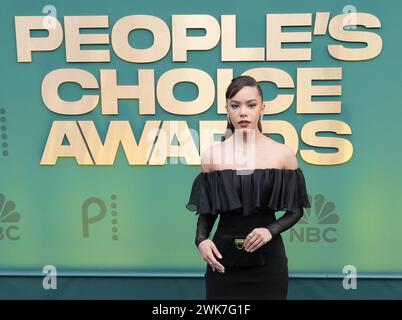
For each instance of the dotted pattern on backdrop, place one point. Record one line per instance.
(3, 128)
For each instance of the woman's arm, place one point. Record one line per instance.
(288, 220)
(205, 224)
(291, 217)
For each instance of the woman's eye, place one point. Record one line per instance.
(236, 106)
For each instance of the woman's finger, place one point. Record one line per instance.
(249, 237)
(216, 264)
(255, 245)
(216, 252)
(210, 263)
(250, 243)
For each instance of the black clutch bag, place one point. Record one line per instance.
(233, 254)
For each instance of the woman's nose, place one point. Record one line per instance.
(243, 111)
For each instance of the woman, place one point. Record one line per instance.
(246, 256)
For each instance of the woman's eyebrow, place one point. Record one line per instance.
(246, 101)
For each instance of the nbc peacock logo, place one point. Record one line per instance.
(318, 222)
(9, 219)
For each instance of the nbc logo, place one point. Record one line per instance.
(318, 223)
(8, 219)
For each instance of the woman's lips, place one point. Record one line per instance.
(244, 123)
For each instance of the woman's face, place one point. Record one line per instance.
(245, 108)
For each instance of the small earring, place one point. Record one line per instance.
(262, 115)
(229, 120)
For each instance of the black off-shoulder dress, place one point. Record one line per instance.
(244, 200)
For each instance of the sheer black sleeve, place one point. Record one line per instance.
(288, 220)
(205, 224)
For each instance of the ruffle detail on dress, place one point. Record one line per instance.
(225, 190)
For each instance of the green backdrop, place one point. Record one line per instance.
(154, 232)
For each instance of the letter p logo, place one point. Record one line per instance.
(88, 219)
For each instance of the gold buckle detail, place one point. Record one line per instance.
(239, 243)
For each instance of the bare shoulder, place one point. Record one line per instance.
(289, 159)
(207, 162)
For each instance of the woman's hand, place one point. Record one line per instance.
(207, 249)
(257, 238)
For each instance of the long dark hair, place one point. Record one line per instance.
(233, 88)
